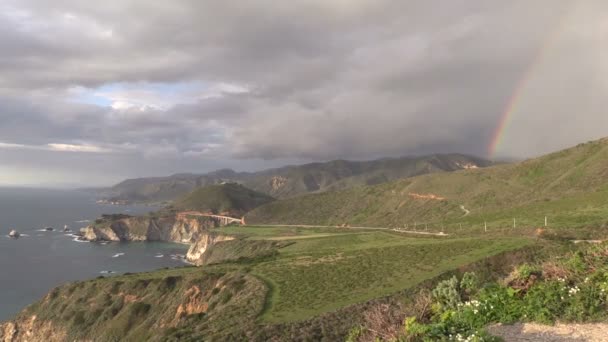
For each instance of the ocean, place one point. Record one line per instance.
(39, 260)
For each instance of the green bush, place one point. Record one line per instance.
(447, 293)
(469, 283)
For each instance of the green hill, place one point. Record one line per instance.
(292, 181)
(569, 187)
(230, 198)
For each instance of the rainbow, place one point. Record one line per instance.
(518, 94)
(511, 107)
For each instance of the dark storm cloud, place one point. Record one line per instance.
(154, 87)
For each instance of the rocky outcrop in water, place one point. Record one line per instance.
(194, 231)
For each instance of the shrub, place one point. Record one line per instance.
(140, 309)
(469, 283)
(79, 318)
(447, 294)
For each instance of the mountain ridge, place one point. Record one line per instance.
(292, 180)
(568, 187)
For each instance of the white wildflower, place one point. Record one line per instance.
(573, 291)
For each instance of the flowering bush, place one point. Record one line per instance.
(580, 294)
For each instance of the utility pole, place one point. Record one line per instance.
(513, 223)
(426, 227)
(545, 221)
(485, 226)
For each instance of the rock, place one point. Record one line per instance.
(194, 231)
(49, 229)
(14, 234)
(202, 244)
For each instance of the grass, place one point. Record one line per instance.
(325, 269)
(322, 274)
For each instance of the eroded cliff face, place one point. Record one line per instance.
(196, 253)
(30, 329)
(174, 228)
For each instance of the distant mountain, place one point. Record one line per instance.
(228, 199)
(569, 187)
(292, 181)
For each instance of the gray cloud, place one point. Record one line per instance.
(196, 85)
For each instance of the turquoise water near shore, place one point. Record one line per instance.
(38, 261)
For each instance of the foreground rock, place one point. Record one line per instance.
(191, 230)
(558, 333)
(14, 234)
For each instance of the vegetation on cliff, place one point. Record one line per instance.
(169, 305)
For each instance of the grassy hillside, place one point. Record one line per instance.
(291, 181)
(287, 282)
(230, 198)
(568, 186)
(187, 304)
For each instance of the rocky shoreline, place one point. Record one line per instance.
(193, 231)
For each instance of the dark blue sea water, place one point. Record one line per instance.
(33, 264)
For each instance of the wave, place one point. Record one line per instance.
(20, 236)
(118, 255)
(83, 221)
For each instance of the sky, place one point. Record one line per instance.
(95, 92)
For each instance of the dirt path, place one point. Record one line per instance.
(418, 232)
(529, 332)
(300, 237)
(466, 211)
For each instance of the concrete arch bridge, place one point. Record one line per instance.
(223, 220)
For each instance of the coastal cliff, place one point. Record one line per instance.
(166, 305)
(194, 231)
